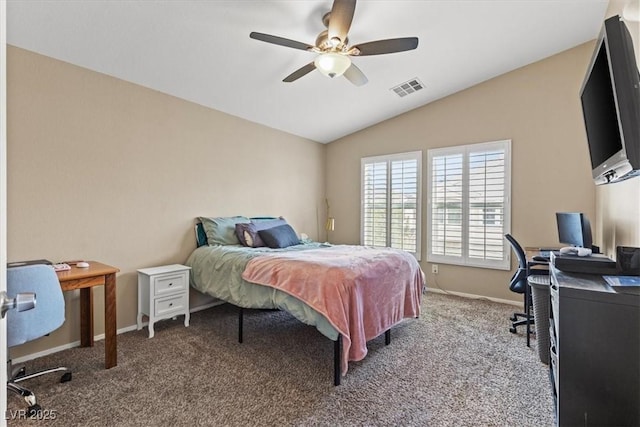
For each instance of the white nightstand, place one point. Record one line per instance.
(163, 292)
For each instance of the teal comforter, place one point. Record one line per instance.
(217, 271)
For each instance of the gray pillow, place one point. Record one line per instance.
(248, 233)
(222, 230)
(281, 236)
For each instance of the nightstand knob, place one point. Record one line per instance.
(170, 304)
(170, 284)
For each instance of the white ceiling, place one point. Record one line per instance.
(201, 51)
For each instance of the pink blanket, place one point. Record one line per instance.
(362, 291)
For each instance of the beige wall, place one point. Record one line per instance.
(537, 107)
(107, 170)
(102, 169)
(618, 205)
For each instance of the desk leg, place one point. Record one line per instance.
(111, 350)
(86, 317)
(528, 313)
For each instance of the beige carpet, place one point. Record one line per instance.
(457, 365)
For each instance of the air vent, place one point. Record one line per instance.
(408, 87)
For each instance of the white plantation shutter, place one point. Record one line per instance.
(375, 210)
(486, 204)
(391, 201)
(469, 204)
(404, 204)
(447, 198)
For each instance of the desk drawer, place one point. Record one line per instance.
(165, 306)
(169, 283)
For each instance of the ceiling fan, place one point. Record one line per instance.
(333, 48)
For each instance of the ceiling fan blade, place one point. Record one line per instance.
(340, 19)
(355, 75)
(300, 72)
(281, 41)
(380, 47)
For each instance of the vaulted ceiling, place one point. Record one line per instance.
(200, 51)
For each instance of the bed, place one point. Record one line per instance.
(350, 294)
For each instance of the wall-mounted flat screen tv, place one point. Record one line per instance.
(610, 97)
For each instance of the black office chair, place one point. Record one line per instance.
(520, 283)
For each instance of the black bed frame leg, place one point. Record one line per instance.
(240, 319)
(387, 337)
(337, 357)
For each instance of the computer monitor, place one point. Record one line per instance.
(574, 229)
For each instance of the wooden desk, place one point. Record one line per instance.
(84, 279)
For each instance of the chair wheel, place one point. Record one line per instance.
(513, 330)
(21, 372)
(513, 318)
(65, 377)
(33, 410)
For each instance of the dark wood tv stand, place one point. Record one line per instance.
(595, 351)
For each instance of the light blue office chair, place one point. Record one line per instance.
(25, 326)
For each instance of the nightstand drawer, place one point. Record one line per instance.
(169, 283)
(166, 306)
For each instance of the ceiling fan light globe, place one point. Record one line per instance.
(332, 64)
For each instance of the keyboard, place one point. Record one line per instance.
(61, 267)
(545, 255)
(541, 258)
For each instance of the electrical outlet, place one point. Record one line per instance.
(434, 268)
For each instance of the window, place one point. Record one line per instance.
(390, 201)
(469, 206)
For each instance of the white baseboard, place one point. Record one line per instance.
(99, 337)
(48, 351)
(205, 306)
(473, 296)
